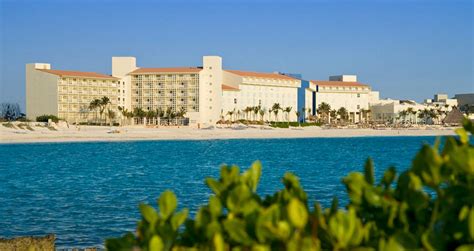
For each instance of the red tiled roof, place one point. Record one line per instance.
(81, 74)
(229, 88)
(167, 70)
(337, 83)
(260, 75)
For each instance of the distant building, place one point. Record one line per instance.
(341, 91)
(441, 101)
(66, 94)
(464, 100)
(466, 103)
(242, 89)
(389, 111)
(205, 93)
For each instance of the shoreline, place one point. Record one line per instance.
(135, 133)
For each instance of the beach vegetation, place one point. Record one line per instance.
(324, 110)
(9, 125)
(24, 126)
(429, 206)
(275, 109)
(46, 118)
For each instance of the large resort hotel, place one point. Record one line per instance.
(205, 94)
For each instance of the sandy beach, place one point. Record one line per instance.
(105, 133)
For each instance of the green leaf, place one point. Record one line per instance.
(155, 244)
(463, 136)
(297, 213)
(179, 218)
(463, 213)
(238, 197)
(334, 205)
(218, 241)
(471, 223)
(236, 230)
(214, 185)
(148, 213)
(215, 206)
(252, 175)
(389, 176)
(369, 171)
(167, 203)
(467, 247)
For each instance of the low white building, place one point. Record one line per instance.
(242, 89)
(67, 94)
(341, 91)
(441, 101)
(389, 111)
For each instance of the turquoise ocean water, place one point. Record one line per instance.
(86, 192)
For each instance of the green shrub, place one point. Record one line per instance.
(279, 124)
(45, 118)
(430, 206)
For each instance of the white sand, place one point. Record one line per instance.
(96, 133)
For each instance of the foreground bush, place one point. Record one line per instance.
(45, 118)
(430, 206)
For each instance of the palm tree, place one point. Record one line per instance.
(410, 112)
(230, 113)
(262, 113)
(288, 110)
(276, 108)
(342, 112)
(247, 110)
(139, 113)
(403, 114)
(324, 109)
(125, 113)
(182, 112)
(297, 113)
(433, 115)
(93, 105)
(111, 116)
(104, 101)
(256, 109)
(333, 114)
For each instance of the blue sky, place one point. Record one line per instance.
(404, 49)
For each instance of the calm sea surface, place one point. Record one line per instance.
(86, 192)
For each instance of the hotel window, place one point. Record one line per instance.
(358, 106)
(358, 95)
(118, 99)
(119, 91)
(235, 101)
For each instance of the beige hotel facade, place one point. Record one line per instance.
(207, 93)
